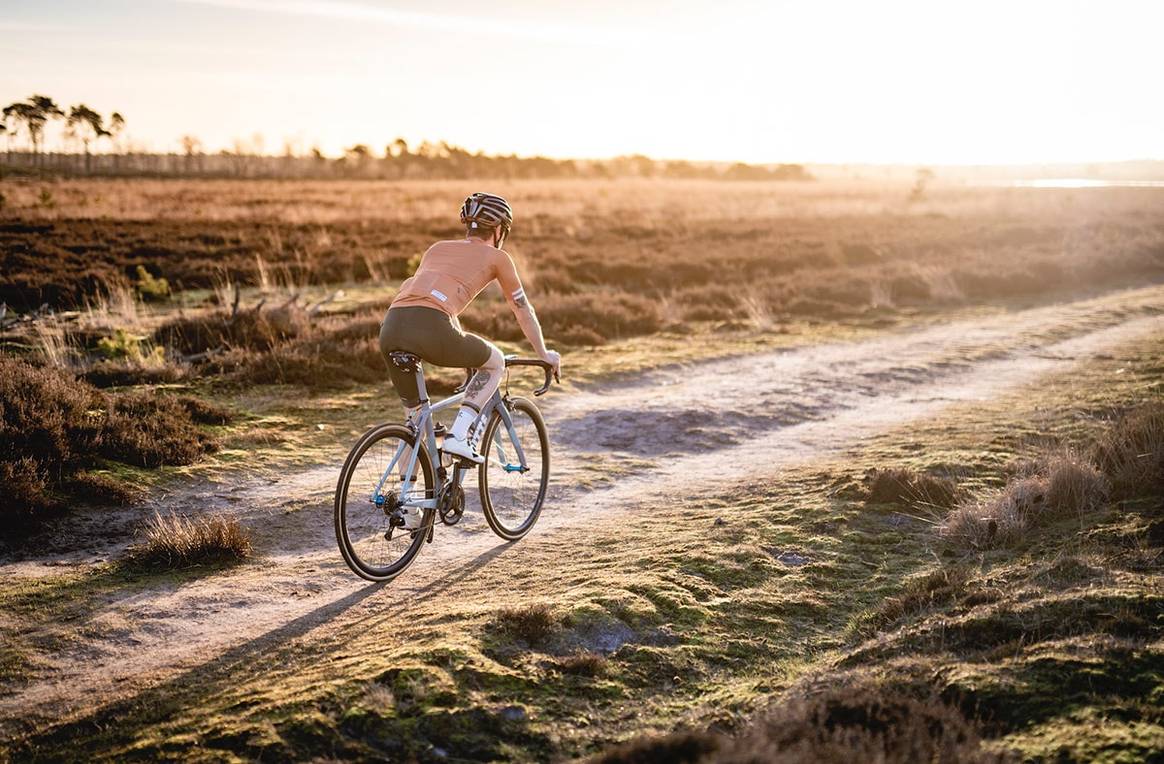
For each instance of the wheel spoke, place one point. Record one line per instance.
(370, 491)
(512, 492)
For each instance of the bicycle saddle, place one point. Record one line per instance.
(405, 361)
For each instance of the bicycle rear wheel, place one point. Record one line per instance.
(513, 489)
(366, 495)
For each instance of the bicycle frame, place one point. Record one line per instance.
(424, 428)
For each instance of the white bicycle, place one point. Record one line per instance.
(394, 466)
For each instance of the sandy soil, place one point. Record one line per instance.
(616, 448)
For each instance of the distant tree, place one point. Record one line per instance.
(116, 128)
(357, 158)
(398, 148)
(87, 126)
(191, 146)
(48, 110)
(34, 114)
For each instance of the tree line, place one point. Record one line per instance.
(87, 128)
(82, 124)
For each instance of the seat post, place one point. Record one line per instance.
(421, 390)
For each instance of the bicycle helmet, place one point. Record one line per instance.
(482, 210)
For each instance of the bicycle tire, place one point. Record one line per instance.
(342, 517)
(489, 507)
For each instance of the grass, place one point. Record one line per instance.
(172, 542)
(1131, 452)
(1013, 651)
(903, 486)
(1051, 487)
(1045, 645)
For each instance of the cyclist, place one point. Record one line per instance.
(422, 318)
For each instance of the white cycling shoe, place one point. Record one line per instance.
(462, 448)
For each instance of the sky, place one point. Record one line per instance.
(728, 80)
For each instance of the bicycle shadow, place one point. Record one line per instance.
(162, 702)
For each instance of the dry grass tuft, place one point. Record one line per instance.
(1074, 484)
(583, 664)
(172, 542)
(1131, 452)
(1057, 485)
(531, 624)
(902, 486)
(379, 697)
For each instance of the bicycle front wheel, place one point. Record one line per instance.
(516, 472)
(367, 495)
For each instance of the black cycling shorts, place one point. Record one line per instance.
(430, 334)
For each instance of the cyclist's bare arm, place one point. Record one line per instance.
(523, 311)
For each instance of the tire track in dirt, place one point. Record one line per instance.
(616, 448)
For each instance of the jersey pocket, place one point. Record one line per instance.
(425, 285)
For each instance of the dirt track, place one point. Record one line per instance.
(684, 430)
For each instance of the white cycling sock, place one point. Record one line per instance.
(465, 418)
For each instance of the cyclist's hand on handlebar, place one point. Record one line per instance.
(554, 358)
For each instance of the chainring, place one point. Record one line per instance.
(452, 505)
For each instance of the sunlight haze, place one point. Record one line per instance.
(832, 81)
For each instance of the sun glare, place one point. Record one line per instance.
(904, 81)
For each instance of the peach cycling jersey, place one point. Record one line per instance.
(452, 273)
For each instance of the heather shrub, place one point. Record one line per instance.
(53, 426)
(583, 317)
(685, 747)
(127, 372)
(149, 430)
(320, 363)
(612, 315)
(861, 254)
(248, 329)
(909, 288)
(862, 722)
